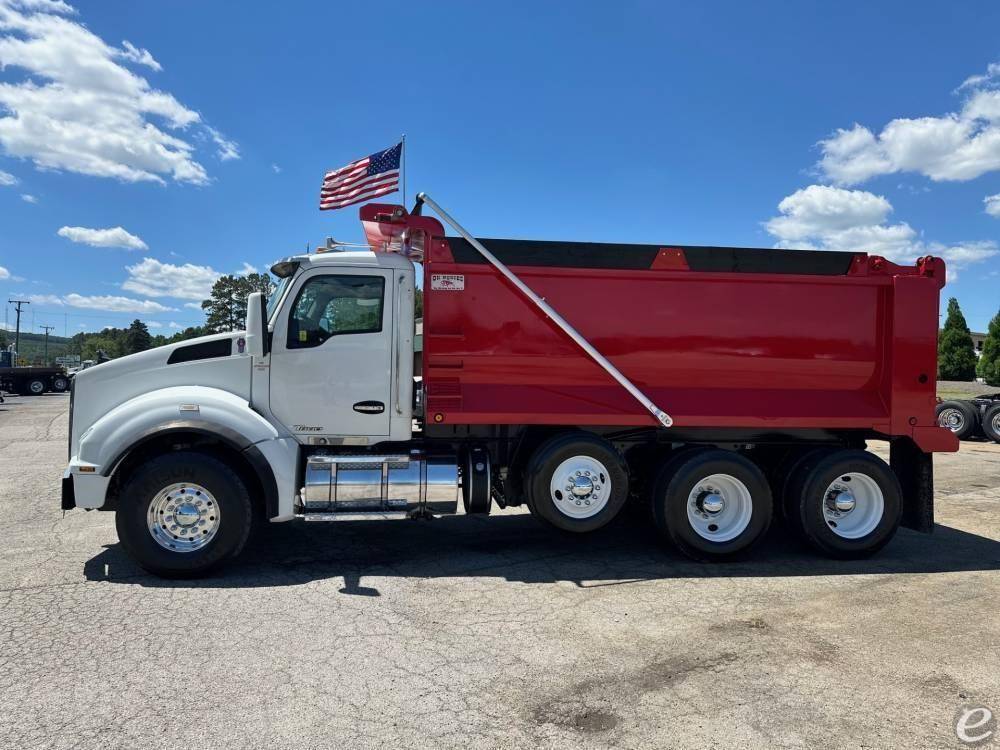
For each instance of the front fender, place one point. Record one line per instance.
(111, 437)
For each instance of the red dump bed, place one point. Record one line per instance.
(717, 337)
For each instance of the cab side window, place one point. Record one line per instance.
(333, 305)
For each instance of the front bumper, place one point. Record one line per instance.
(83, 486)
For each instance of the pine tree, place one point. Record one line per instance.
(226, 310)
(956, 353)
(988, 367)
(137, 338)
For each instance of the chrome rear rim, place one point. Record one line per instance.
(951, 418)
(183, 517)
(719, 507)
(853, 505)
(580, 487)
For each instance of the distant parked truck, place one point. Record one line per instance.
(970, 418)
(30, 381)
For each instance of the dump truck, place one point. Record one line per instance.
(719, 388)
(30, 381)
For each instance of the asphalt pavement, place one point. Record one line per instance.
(487, 632)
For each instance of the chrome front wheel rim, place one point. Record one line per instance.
(580, 487)
(853, 505)
(183, 517)
(37, 387)
(719, 507)
(952, 419)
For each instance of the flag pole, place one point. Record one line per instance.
(402, 149)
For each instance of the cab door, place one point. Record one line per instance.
(331, 364)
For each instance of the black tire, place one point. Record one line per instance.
(678, 480)
(785, 494)
(34, 387)
(60, 383)
(235, 514)
(610, 488)
(991, 422)
(809, 489)
(960, 417)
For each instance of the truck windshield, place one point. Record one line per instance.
(272, 301)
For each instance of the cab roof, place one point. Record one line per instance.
(287, 266)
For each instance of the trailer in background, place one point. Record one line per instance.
(30, 381)
(973, 417)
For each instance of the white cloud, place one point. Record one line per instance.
(7, 179)
(227, 149)
(276, 168)
(157, 279)
(27, 198)
(114, 237)
(79, 109)
(153, 324)
(174, 325)
(246, 270)
(115, 304)
(4, 273)
(955, 146)
(822, 217)
(992, 203)
(193, 305)
(141, 56)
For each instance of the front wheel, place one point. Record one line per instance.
(34, 387)
(60, 383)
(182, 514)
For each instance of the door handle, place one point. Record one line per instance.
(369, 407)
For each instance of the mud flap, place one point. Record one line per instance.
(915, 471)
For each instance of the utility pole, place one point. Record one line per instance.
(47, 329)
(17, 326)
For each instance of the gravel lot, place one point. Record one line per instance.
(487, 632)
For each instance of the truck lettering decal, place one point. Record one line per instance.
(448, 282)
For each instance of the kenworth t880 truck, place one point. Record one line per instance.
(717, 386)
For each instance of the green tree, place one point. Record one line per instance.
(956, 353)
(3, 339)
(988, 367)
(137, 338)
(226, 309)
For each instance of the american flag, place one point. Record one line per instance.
(361, 180)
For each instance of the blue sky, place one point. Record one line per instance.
(205, 137)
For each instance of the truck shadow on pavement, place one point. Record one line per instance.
(518, 548)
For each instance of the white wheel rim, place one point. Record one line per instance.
(995, 422)
(719, 507)
(36, 386)
(580, 487)
(183, 517)
(952, 419)
(853, 505)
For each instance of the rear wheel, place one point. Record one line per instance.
(34, 387)
(182, 514)
(576, 482)
(712, 504)
(847, 503)
(958, 416)
(991, 422)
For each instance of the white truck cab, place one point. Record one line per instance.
(332, 365)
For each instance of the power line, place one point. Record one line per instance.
(46, 356)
